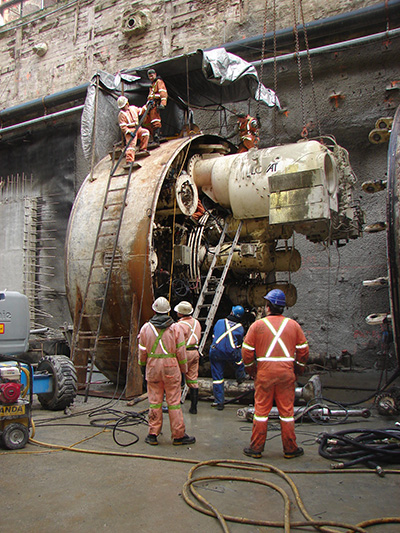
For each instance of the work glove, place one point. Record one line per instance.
(161, 106)
(299, 369)
(251, 370)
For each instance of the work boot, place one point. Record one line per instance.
(156, 135)
(252, 453)
(194, 396)
(292, 455)
(184, 440)
(219, 406)
(151, 439)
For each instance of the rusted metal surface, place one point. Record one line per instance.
(393, 235)
(133, 274)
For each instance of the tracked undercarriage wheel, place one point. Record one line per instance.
(15, 436)
(62, 369)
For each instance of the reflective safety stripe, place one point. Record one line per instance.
(180, 344)
(163, 356)
(228, 333)
(249, 364)
(239, 362)
(277, 339)
(183, 362)
(301, 364)
(192, 334)
(299, 346)
(141, 347)
(218, 382)
(158, 340)
(191, 381)
(248, 347)
(288, 419)
(260, 418)
(141, 364)
(155, 405)
(275, 358)
(172, 407)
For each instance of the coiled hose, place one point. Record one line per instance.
(372, 447)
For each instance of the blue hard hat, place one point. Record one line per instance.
(276, 297)
(237, 310)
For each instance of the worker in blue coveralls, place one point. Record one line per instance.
(226, 348)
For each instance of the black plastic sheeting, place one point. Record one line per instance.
(197, 80)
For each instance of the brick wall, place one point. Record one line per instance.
(85, 36)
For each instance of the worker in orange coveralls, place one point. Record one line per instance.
(274, 351)
(192, 331)
(128, 119)
(158, 96)
(248, 132)
(162, 351)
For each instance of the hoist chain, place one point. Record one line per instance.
(275, 112)
(310, 69)
(262, 59)
(297, 50)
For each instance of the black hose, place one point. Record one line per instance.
(371, 447)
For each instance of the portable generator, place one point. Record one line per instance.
(15, 410)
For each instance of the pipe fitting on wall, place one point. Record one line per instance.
(136, 23)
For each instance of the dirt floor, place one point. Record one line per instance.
(75, 477)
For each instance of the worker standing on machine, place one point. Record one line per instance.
(157, 99)
(192, 331)
(128, 120)
(225, 348)
(248, 130)
(162, 351)
(274, 351)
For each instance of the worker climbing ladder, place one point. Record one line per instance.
(88, 322)
(213, 288)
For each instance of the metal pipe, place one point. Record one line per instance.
(41, 119)
(40, 104)
(332, 47)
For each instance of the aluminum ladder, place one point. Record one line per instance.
(213, 288)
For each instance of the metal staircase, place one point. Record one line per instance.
(86, 338)
(213, 288)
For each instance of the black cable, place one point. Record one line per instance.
(371, 447)
(125, 419)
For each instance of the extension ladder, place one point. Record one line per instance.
(85, 339)
(213, 288)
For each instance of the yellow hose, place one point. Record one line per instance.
(28, 382)
(210, 510)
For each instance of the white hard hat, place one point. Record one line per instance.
(184, 308)
(161, 305)
(122, 101)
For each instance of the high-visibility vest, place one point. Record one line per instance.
(192, 335)
(276, 340)
(228, 333)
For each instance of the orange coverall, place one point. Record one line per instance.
(248, 133)
(271, 349)
(128, 120)
(163, 353)
(192, 331)
(158, 93)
